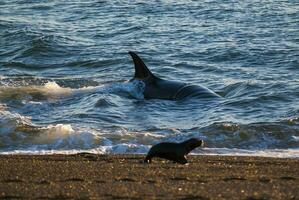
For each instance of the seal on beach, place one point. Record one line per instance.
(158, 88)
(173, 151)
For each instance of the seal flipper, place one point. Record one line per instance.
(141, 70)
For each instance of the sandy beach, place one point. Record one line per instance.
(90, 176)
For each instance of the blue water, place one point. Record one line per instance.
(64, 71)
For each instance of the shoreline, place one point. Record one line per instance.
(268, 153)
(124, 176)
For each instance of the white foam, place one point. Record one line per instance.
(276, 153)
(9, 121)
(125, 148)
(52, 88)
(54, 132)
(143, 149)
(53, 91)
(135, 88)
(51, 152)
(295, 138)
(63, 136)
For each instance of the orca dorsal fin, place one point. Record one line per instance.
(141, 70)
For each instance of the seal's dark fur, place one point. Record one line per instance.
(173, 151)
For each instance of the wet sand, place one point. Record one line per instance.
(90, 176)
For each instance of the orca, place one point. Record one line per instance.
(158, 88)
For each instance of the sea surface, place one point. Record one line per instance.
(65, 71)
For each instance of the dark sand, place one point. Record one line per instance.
(89, 176)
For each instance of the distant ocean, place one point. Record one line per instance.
(65, 71)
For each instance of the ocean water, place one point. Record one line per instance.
(65, 71)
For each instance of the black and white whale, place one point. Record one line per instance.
(158, 88)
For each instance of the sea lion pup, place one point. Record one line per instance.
(173, 151)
